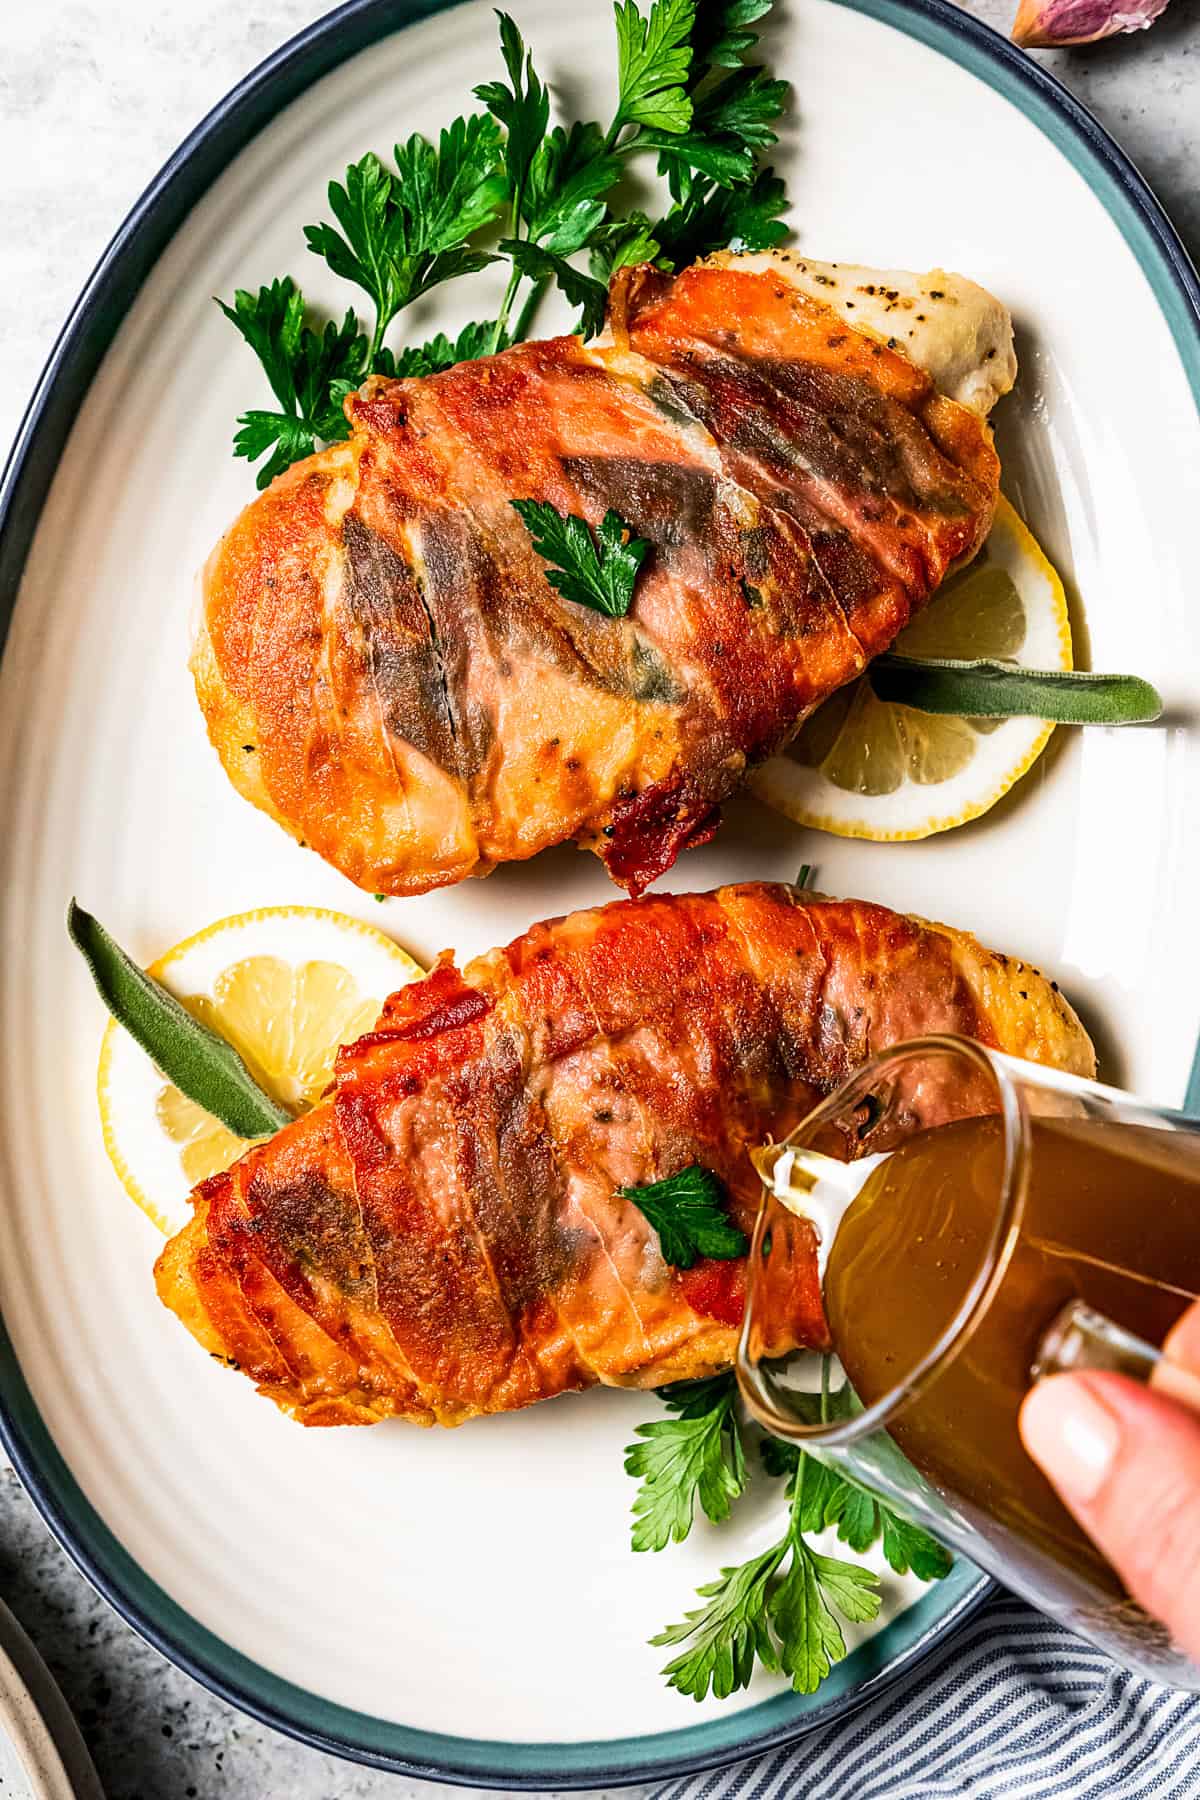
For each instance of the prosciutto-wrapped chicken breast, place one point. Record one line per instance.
(445, 1235)
(386, 670)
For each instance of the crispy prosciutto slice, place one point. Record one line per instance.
(444, 1236)
(385, 669)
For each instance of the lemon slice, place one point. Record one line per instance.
(867, 768)
(285, 985)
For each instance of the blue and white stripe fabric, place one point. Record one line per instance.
(1011, 1708)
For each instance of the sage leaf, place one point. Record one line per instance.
(201, 1064)
(991, 690)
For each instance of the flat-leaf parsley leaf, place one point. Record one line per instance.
(597, 571)
(569, 174)
(440, 352)
(727, 1635)
(522, 108)
(310, 374)
(687, 1212)
(580, 289)
(720, 38)
(404, 233)
(828, 1497)
(621, 242)
(696, 1459)
(654, 58)
(716, 218)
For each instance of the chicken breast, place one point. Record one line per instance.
(956, 331)
(385, 669)
(446, 1236)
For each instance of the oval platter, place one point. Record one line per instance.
(464, 1605)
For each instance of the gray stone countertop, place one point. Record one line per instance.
(93, 97)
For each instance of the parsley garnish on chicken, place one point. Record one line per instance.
(685, 94)
(686, 1211)
(596, 570)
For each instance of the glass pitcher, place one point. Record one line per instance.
(1008, 1221)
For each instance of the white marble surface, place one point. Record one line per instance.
(93, 97)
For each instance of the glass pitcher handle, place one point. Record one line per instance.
(1079, 1337)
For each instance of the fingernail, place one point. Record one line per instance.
(1071, 1434)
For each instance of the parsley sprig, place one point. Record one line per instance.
(688, 1213)
(544, 266)
(860, 1517)
(686, 94)
(694, 1460)
(310, 374)
(786, 1607)
(406, 232)
(597, 570)
(441, 352)
(654, 59)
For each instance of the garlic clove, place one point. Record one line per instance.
(1049, 24)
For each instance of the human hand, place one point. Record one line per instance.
(1126, 1460)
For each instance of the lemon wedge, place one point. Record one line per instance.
(286, 985)
(866, 768)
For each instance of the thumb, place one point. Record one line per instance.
(1126, 1461)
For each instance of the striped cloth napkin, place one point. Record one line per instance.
(1011, 1708)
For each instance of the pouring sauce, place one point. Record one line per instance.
(1112, 1217)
